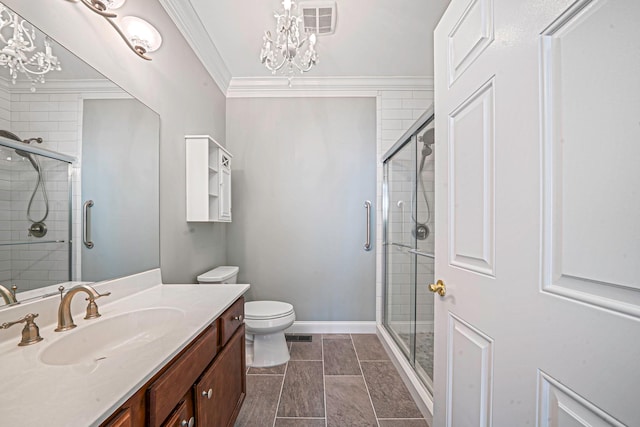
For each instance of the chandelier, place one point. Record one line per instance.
(18, 52)
(284, 51)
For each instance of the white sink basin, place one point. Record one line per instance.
(102, 338)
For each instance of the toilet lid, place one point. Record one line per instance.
(266, 309)
(218, 274)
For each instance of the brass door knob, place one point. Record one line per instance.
(439, 288)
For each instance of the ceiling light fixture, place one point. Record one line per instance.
(18, 52)
(138, 34)
(284, 52)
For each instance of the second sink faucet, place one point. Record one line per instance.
(65, 321)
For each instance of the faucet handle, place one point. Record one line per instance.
(96, 296)
(92, 307)
(30, 332)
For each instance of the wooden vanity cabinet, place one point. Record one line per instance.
(204, 385)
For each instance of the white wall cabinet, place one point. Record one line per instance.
(208, 180)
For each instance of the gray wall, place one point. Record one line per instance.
(176, 86)
(302, 169)
(124, 218)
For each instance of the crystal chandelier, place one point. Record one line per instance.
(18, 52)
(284, 52)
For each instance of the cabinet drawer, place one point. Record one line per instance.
(230, 320)
(123, 419)
(167, 391)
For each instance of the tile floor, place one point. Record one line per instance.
(333, 381)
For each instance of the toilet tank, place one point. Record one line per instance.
(222, 274)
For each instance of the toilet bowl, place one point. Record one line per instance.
(265, 322)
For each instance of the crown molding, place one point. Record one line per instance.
(63, 86)
(186, 19)
(277, 87)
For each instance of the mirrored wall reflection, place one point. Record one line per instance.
(125, 156)
(35, 220)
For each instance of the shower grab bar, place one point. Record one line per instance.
(424, 254)
(367, 206)
(86, 232)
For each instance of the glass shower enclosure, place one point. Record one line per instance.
(408, 240)
(35, 216)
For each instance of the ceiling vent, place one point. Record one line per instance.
(319, 17)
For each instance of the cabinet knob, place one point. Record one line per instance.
(189, 423)
(207, 394)
(238, 317)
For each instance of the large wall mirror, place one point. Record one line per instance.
(102, 209)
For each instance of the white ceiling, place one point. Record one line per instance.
(373, 38)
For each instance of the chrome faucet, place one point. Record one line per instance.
(8, 296)
(65, 321)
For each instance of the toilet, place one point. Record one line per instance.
(265, 322)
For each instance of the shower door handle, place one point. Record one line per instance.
(86, 232)
(367, 244)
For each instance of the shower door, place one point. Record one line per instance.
(408, 244)
(400, 265)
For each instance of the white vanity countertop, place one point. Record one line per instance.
(35, 394)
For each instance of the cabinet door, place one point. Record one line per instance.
(183, 415)
(221, 389)
(225, 189)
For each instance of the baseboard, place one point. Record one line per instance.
(331, 327)
(411, 380)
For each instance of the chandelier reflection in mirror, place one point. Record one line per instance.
(19, 52)
(284, 51)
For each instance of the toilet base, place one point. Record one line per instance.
(266, 350)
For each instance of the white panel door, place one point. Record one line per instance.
(537, 107)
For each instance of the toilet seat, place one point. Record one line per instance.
(267, 310)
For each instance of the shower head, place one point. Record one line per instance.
(427, 139)
(10, 135)
(19, 152)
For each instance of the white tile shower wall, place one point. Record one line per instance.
(5, 106)
(5, 218)
(5, 189)
(396, 112)
(56, 118)
(36, 262)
